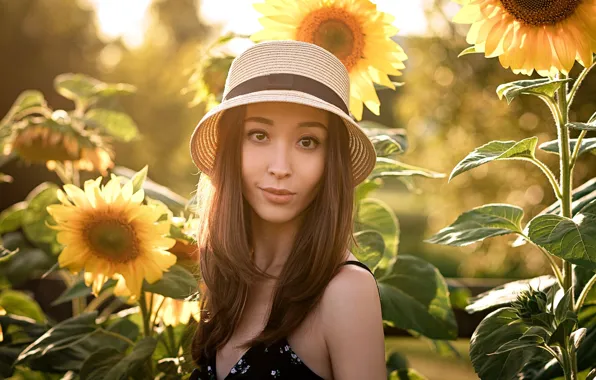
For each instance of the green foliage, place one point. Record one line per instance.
(587, 145)
(573, 240)
(494, 151)
(387, 167)
(36, 217)
(116, 124)
(109, 363)
(19, 303)
(505, 294)
(415, 296)
(496, 330)
(373, 214)
(29, 262)
(480, 223)
(177, 283)
(370, 247)
(11, 218)
(536, 87)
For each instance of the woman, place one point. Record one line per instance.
(281, 157)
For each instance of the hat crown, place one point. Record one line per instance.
(290, 57)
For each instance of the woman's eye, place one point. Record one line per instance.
(257, 136)
(309, 142)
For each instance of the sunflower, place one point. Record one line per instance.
(48, 142)
(172, 312)
(108, 233)
(353, 30)
(527, 35)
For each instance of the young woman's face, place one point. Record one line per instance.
(283, 158)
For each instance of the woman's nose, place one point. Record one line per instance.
(280, 161)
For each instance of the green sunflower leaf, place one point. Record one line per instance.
(495, 151)
(540, 87)
(370, 247)
(373, 214)
(573, 240)
(505, 294)
(587, 145)
(26, 100)
(11, 218)
(110, 363)
(480, 223)
(19, 303)
(176, 283)
(590, 127)
(117, 124)
(75, 86)
(469, 50)
(415, 296)
(499, 328)
(387, 167)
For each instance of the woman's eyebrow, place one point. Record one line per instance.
(264, 120)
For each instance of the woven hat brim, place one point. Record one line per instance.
(203, 141)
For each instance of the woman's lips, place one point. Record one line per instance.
(278, 196)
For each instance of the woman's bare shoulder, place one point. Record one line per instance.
(350, 312)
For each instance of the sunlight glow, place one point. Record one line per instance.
(127, 19)
(409, 15)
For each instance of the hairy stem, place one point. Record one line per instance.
(576, 149)
(145, 314)
(549, 174)
(578, 83)
(97, 301)
(565, 168)
(584, 293)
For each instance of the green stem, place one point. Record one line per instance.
(97, 301)
(112, 306)
(157, 309)
(553, 264)
(566, 177)
(172, 339)
(78, 304)
(121, 337)
(576, 149)
(578, 83)
(566, 174)
(145, 314)
(554, 354)
(549, 174)
(61, 173)
(584, 293)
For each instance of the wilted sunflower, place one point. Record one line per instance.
(108, 233)
(45, 141)
(353, 30)
(527, 35)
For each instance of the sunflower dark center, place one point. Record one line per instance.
(112, 239)
(336, 37)
(336, 30)
(540, 12)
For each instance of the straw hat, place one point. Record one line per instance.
(285, 71)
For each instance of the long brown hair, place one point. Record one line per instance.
(224, 241)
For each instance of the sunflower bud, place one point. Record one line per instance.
(530, 303)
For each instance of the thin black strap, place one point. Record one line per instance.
(359, 264)
(365, 267)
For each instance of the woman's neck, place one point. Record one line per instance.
(272, 243)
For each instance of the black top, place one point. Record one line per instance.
(277, 361)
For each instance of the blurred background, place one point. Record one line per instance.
(447, 106)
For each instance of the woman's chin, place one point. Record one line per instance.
(275, 215)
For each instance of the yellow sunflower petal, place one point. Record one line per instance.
(367, 40)
(547, 37)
